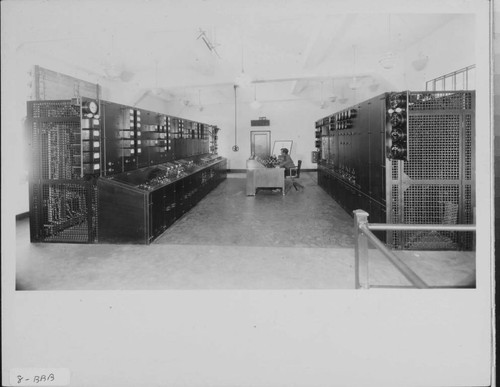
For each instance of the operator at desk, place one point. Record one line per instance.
(286, 161)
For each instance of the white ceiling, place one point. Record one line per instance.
(289, 49)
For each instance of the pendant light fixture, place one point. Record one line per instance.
(200, 106)
(323, 104)
(156, 90)
(354, 82)
(343, 99)
(114, 69)
(243, 80)
(388, 59)
(255, 104)
(333, 97)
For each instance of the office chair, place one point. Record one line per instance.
(295, 173)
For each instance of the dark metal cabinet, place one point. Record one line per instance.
(432, 184)
(131, 210)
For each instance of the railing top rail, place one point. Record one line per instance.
(421, 227)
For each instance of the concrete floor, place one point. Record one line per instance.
(302, 240)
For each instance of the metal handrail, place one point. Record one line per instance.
(421, 227)
(409, 274)
(362, 232)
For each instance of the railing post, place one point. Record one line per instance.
(360, 251)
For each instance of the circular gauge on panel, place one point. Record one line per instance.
(91, 107)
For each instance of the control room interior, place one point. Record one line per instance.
(141, 150)
(289, 68)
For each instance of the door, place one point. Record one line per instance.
(260, 143)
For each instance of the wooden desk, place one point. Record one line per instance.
(259, 176)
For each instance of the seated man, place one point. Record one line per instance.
(286, 161)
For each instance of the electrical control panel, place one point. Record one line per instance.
(404, 157)
(77, 143)
(120, 138)
(138, 206)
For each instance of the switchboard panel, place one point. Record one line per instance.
(156, 144)
(404, 157)
(82, 146)
(120, 138)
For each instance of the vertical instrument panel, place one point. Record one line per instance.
(120, 138)
(404, 157)
(155, 142)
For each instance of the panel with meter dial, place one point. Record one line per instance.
(121, 137)
(156, 144)
(91, 138)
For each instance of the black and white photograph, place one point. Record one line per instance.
(248, 193)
